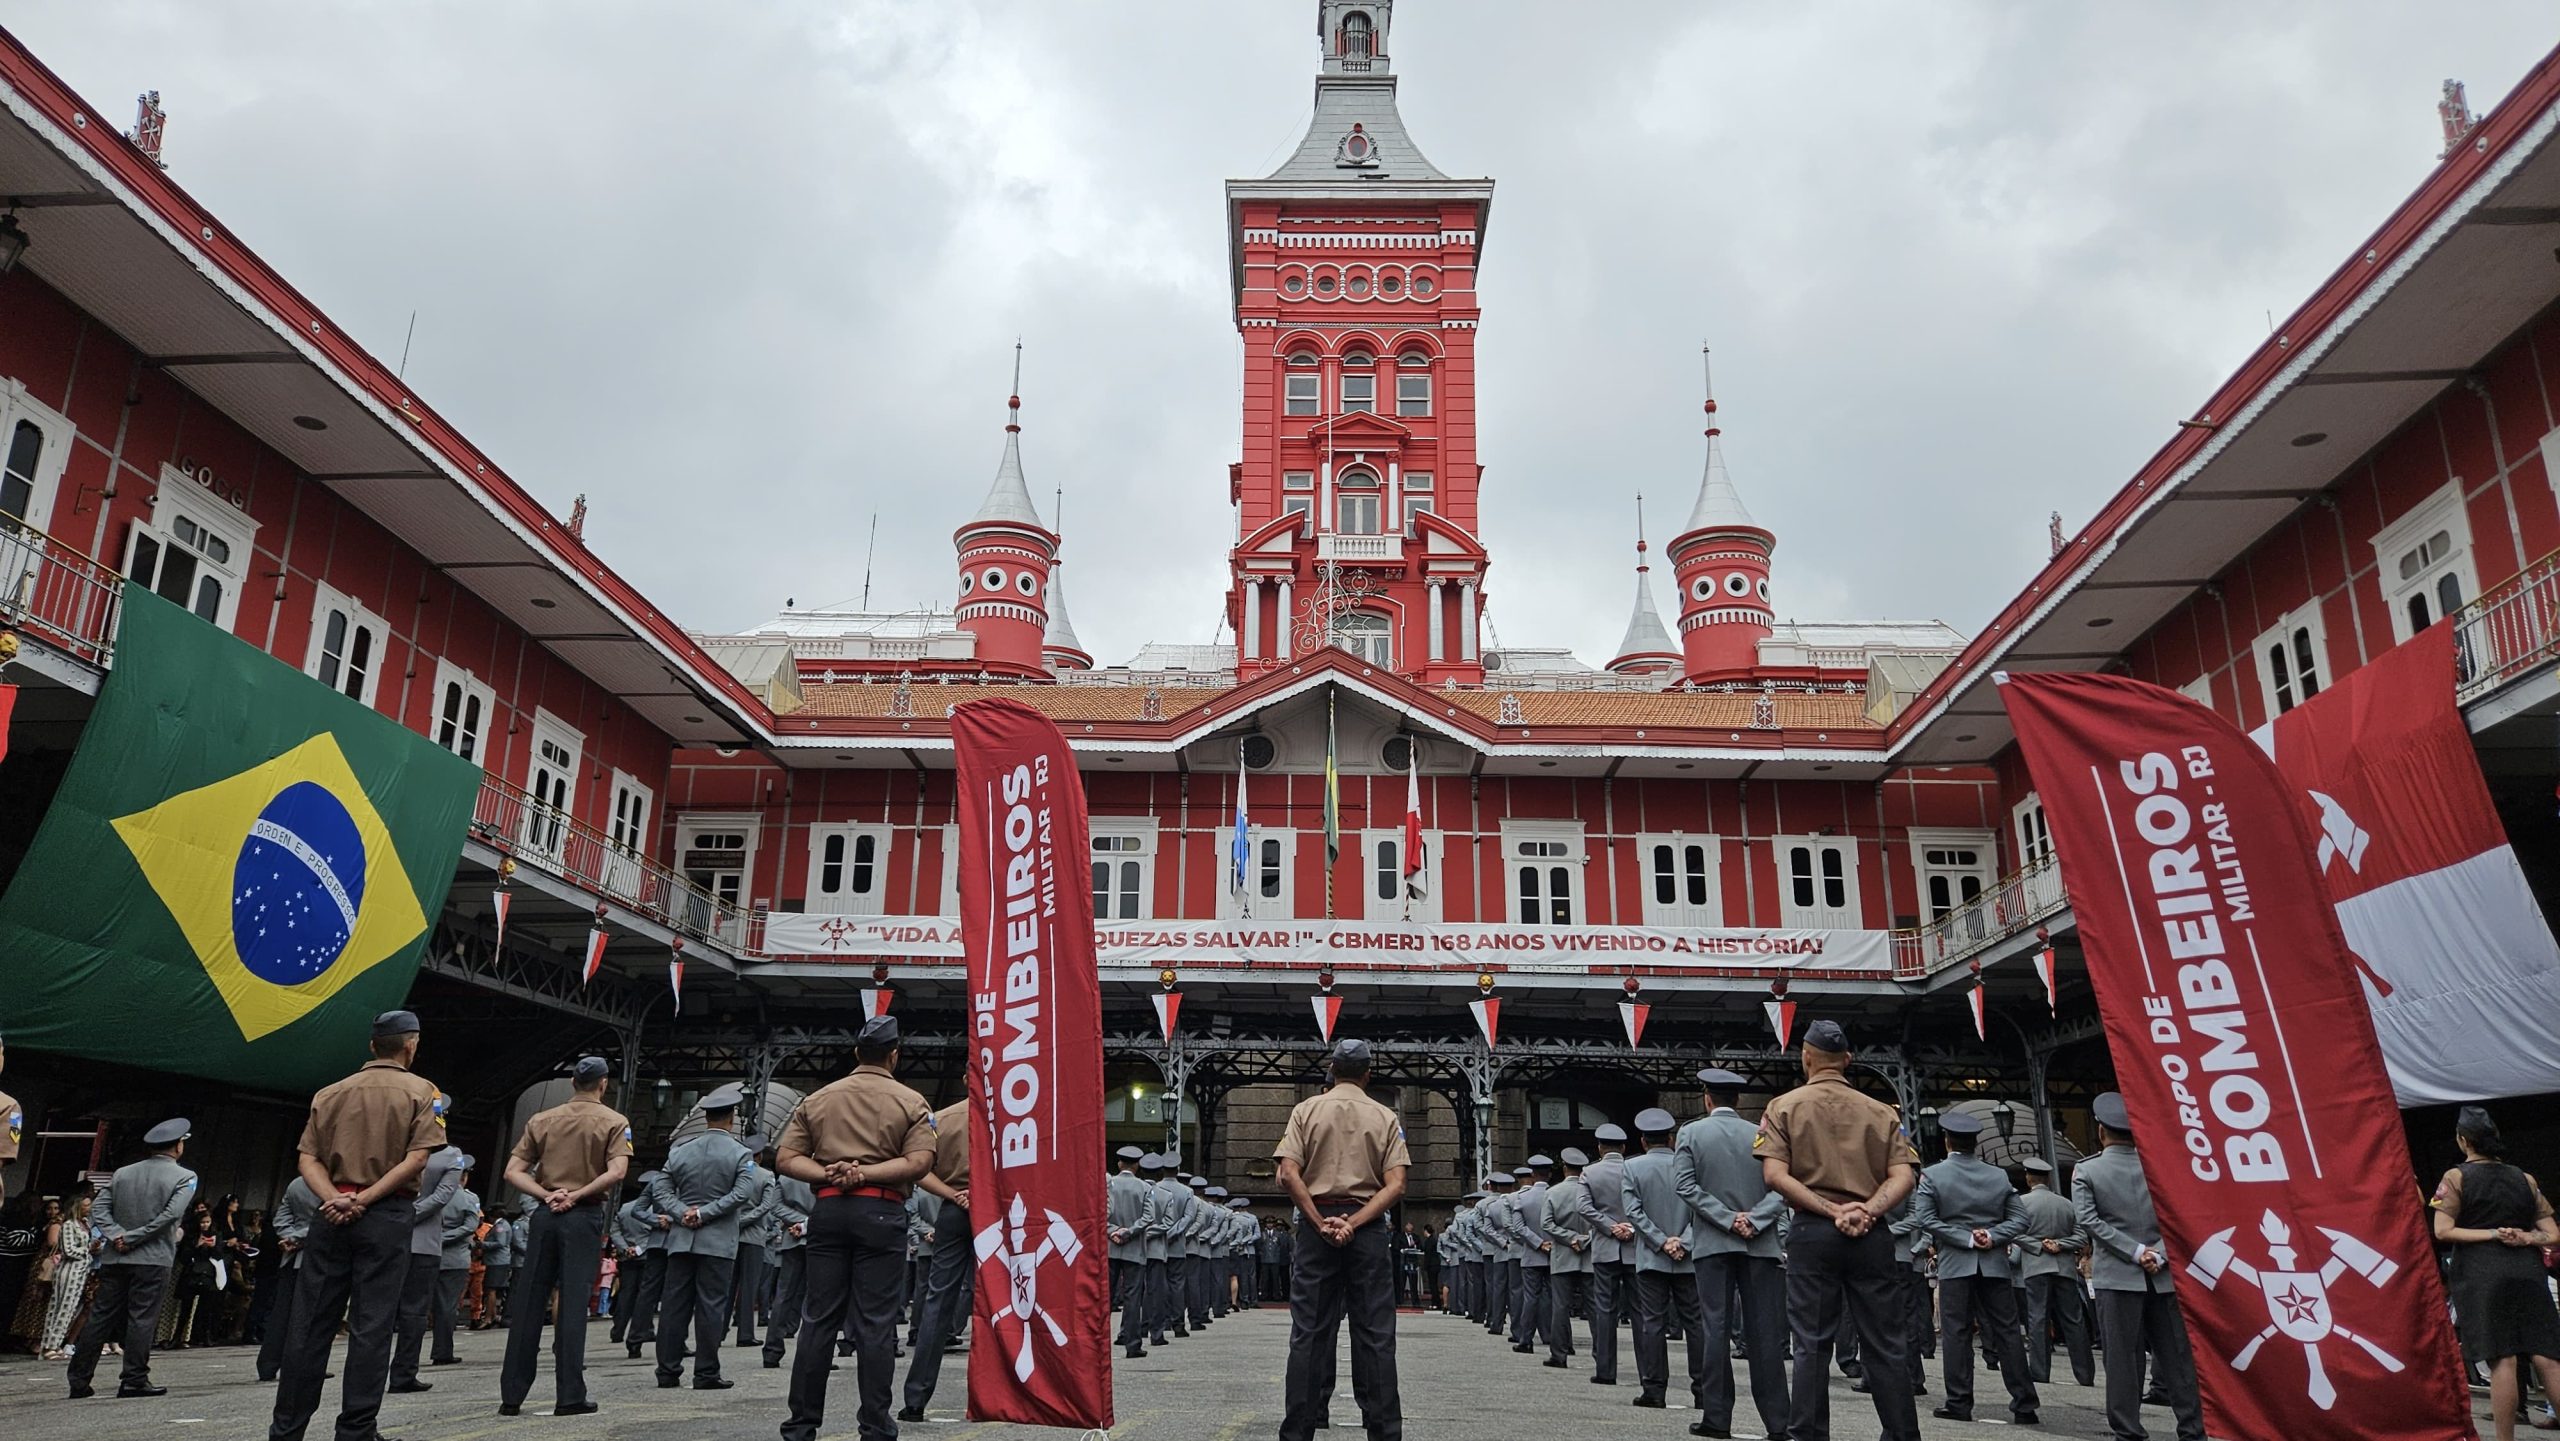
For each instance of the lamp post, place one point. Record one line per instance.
(2005, 1116)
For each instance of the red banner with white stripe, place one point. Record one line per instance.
(1036, 1194)
(2249, 1064)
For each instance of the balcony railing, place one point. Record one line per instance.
(2508, 632)
(1335, 545)
(537, 835)
(2016, 904)
(57, 594)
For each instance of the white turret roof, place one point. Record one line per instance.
(1719, 504)
(1009, 499)
(1061, 634)
(1646, 634)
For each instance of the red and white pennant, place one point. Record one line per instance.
(595, 955)
(2045, 969)
(1782, 1019)
(500, 902)
(1328, 1010)
(1169, 1005)
(875, 1002)
(1488, 1014)
(1632, 1015)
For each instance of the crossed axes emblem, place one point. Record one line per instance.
(1010, 1242)
(2298, 1300)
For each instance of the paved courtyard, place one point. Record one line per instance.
(1459, 1385)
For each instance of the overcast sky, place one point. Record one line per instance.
(747, 273)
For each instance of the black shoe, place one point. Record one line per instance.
(1950, 1413)
(83, 1393)
(1919, 1388)
(669, 1383)
(409, 1388)
(1650, 1403)
(1555, 1361)
(773, 1363)
(1135, 1352)
(582, 1408)
(635, 1353)
(444, 1361)
(911, 1413)
(1523, 1347)
(129, 1392)
(2023, 1418)
(1158, 1341)
(2155, 1398)
(1701, 1428)
(1604, 1380)
(716, 1383)
(1859, 1385)
(1847, 1368)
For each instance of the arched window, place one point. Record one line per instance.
(1303, 387)
(1359, 382)
(1367, 635)
(1413, 383)
(1356, 35)
(1356, 502)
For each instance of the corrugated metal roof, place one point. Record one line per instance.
(1368, 101)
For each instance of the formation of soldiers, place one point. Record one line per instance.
(1182, 1251)
(1812, 1239)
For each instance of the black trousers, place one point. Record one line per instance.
(1661, 1298)
(2131, 1323)
(1960, 1300)
(447, 1299)
(1204, 1277)
(1566, 1290)
(1159, 1299)
(1529, 1304)
(746, 1288)
(562, 1252)
(1829, 1273)
(282, 1288)
(417, 1305)
(1761, 1285)
(642, 1315)
(1129, 1283)
(950, 1276)
(1502, 1278)
(1611, 1283)
(696, 1291)
(355, 1270)
(1328, 1284)
(790, 1294)
(856, 1253)
(126, 1310)
(2057, 1300)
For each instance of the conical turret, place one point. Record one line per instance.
(1646, 649)
(1721, 558)
(1006, 561)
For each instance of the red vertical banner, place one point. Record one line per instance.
(1036, 1193)
(2248, 1061)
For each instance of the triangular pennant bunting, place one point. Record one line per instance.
(595, 955)
(1632, 1015)
(875, 1002)
(675, 977)
(2045, 968)
(1782, 1019)
(1975, 999)
(1328, 1010)
(1169, 1006)
(499, 903)
(1488, 1013)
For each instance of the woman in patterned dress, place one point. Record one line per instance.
(70, 1279)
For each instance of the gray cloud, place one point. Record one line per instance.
(745, 274)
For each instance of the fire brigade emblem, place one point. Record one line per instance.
(1021, 1317)
(2298, 1298)
(838, 933)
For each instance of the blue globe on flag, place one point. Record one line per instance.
(298, 886)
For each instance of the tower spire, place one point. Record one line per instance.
(1009, 499)
(1721, 557)
(1008, 560)
(1719, 503)
(1646, 648)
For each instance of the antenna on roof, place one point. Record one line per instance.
(149, 122)
(868, 556)
(403, 371)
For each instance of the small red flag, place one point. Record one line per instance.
(1975, 1000)
(500, 901)
(595, 955)
(1487, 1012)
(2044, 968)
(875, 1002)
(1782, 1019)
(675, 977)
(1328, 1010)
(1169, 1005)
(1632, 1014)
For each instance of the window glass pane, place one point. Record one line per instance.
(1389, 871)
(1129, 890)
(1302, 395)
(1102, 888)
(18, 482)
(1940, 899)
(359, 661)
(1360, 393)
(2419, 619)
(209, 598)
(1528, 895)
(470, 727)
(831, 864)
(1413, 395)
(1665, 884)
(1560, 895)
(2448, 593)
(865, 862)
(449, 726)
(333, 645)
(2306, 666)
(1271, 870)
(1696, 858)
(1835, 886)
(1969, 886)
(1800, 874)
(146, 556)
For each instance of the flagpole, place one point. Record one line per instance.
(1332, 801)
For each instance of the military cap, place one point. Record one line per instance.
(1542, 1163)
(1827, 1036)
(1717, 1078)
(591, 1069)
(1150, 1161)
(1960, 1123)
(1655, 1121)
(1215, 1193)
(1610, 1131)
(878, 1031)
(724, 1098)
(1130, 1153)
(2110, 1111)
(1351, 1050)
(756, 1141)
(1197, 1183)
(1238, 1203)
(1475, 1195)
(395, 1023)
(171, 1132)
(2037, 1165)
(1522, 1172)
(1502, 1178)
(1574, 1157)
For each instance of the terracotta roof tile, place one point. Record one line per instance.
(1059, 702)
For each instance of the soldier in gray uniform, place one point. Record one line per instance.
(644, 1241)
(1604, 1204)
(1502, 1257)
(1195, 1232)
(1243, 1236)
(1528, 1210)
(1458, 1254)
(1966, 1205)
(292, 1222)
(1569, 1265)
(437, 1186)
(1213, 1237)
(454, 1233)
(2137, 1308)
(1168, 1263)
(1734, 1218)
(136, 1216)
(792, 1200)
(1666, 1274)
(497, 1269)
(702, 1191)
(755, 1240)
(2050, 1252)
(1911, 1252)
(1132, 1205)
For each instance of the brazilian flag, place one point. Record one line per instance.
(239, 871)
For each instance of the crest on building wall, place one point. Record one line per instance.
(1357, 150)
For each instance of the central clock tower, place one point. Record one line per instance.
(1354, 274)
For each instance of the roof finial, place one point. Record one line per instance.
(1641, 567)
(1013, 404)
(1706, 366)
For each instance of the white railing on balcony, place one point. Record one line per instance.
(2018, 903)
(1337, 546)
(514, 824)
(2512, 630)
(57, 594)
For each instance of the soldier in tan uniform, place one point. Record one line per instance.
(362, 1152)
(1842, 1162)
(862, 1142)
(1342, 1161)
(571, 1158)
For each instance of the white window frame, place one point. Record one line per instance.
(471, 742)
(1378, 646)
(1542, 903)
(1301, 393)
(45, 483)
(178, 497)
(2199, 690)
(2442, 511)
(1258, 840)
(1360, 404)
(2283, 683)
(690, 828)
(950, 893)
(2034, 832)
(550, 810)
(1301, 506)
(1984, 872)
(1822, 914)
(1379, 908)
(1357, 497)
(1417, 404)
(331, 671)
(1141, 830)
(1686, 906)
(845, 899)
(627, 835)
(1298, 480)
